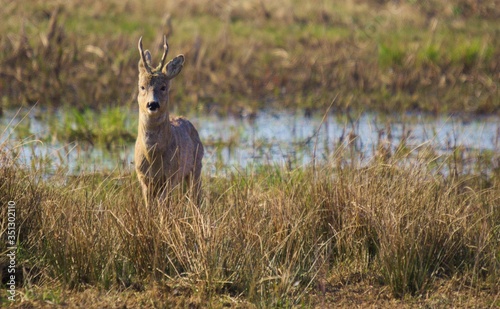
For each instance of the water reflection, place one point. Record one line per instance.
(270, 138)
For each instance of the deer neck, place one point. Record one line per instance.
(154, 131)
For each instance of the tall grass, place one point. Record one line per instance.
(271, 236)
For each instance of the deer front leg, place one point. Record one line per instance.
(149, 192)
(145, 193)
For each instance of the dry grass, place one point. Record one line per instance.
(396, 228)
(435, 56)
(406, 229)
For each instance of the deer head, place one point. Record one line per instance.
(154, 83)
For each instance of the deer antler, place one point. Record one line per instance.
(143, 57)
(165, 52)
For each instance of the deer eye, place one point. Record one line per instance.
(143, 88)
(163, 88)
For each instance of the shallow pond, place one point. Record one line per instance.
(283, 138)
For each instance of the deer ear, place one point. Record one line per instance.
(148, 57)
(142, 67)
(174, 67)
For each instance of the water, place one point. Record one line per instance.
(269, 138)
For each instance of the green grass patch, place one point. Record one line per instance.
(107, 128)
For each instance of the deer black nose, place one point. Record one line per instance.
(152, 106)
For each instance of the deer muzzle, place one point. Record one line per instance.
(153, 106)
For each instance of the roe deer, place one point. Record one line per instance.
(168, 149)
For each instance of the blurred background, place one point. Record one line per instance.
(72, 68)
(352, 154)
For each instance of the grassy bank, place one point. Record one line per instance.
(436, 56)
(392, 232)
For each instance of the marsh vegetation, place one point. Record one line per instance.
(438, 56)
(353, 154)
(402, 224)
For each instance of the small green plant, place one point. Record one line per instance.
(430, 54)
(390, 55)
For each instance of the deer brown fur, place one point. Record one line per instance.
(168, 150)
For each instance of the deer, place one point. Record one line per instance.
(168, 149)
